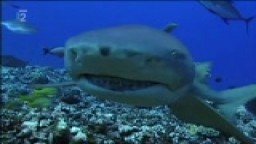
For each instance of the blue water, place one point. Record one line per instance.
(207, 37)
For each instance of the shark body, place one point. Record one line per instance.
(143, 66)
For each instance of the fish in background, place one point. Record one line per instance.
(226, 10)
(57, 51)
(11, 4)
(15, 6)
(170, 27)
(218, 79)
(12, 61)
(19, 27)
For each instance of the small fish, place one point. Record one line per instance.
(15, 6)
(171, 27)
(11, 61)
(57, 51)
(225, 10)
(218, 79)
(11, 4)
(19, 27)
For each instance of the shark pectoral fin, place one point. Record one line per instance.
(193, 110)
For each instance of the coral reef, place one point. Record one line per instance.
(38, 99)
(75, 117)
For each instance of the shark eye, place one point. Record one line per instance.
(177, 55)
(104, 50)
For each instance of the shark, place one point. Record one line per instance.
(143, 66)
(226, 10)
(57, 51)
(19, 27)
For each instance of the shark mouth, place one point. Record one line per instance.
(117, 83)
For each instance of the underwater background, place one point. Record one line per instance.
(207, 37)
(69, 115)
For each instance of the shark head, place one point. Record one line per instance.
(131, 64)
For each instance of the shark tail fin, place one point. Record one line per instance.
(247, 22)
(233, 98)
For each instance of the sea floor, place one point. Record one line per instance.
(71, 116)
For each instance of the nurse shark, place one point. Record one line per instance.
(143, 66)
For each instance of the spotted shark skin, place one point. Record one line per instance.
(143, 66)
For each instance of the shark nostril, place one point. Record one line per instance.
(104, 50)
(73, 53)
